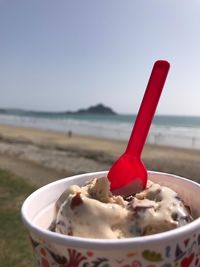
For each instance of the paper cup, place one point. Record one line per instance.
(178, 247)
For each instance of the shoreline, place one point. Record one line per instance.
(44, 156)
(182, 132)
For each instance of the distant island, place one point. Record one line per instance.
(98, 109)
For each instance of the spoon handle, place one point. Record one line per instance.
(147, 108)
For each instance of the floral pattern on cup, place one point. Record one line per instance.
(184, 254)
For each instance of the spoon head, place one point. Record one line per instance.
(127, 176)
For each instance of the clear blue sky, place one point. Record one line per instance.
(66, 55)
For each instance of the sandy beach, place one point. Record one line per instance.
(44, 156)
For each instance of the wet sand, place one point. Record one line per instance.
(44, 156)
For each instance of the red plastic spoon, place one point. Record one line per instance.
(128, 174)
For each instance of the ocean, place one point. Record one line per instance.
(177, 131)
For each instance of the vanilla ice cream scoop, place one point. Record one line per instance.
(92, 211)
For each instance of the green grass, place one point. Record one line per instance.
(15, 247)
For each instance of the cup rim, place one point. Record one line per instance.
(105, 244)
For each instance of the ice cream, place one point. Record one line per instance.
(92, 211)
